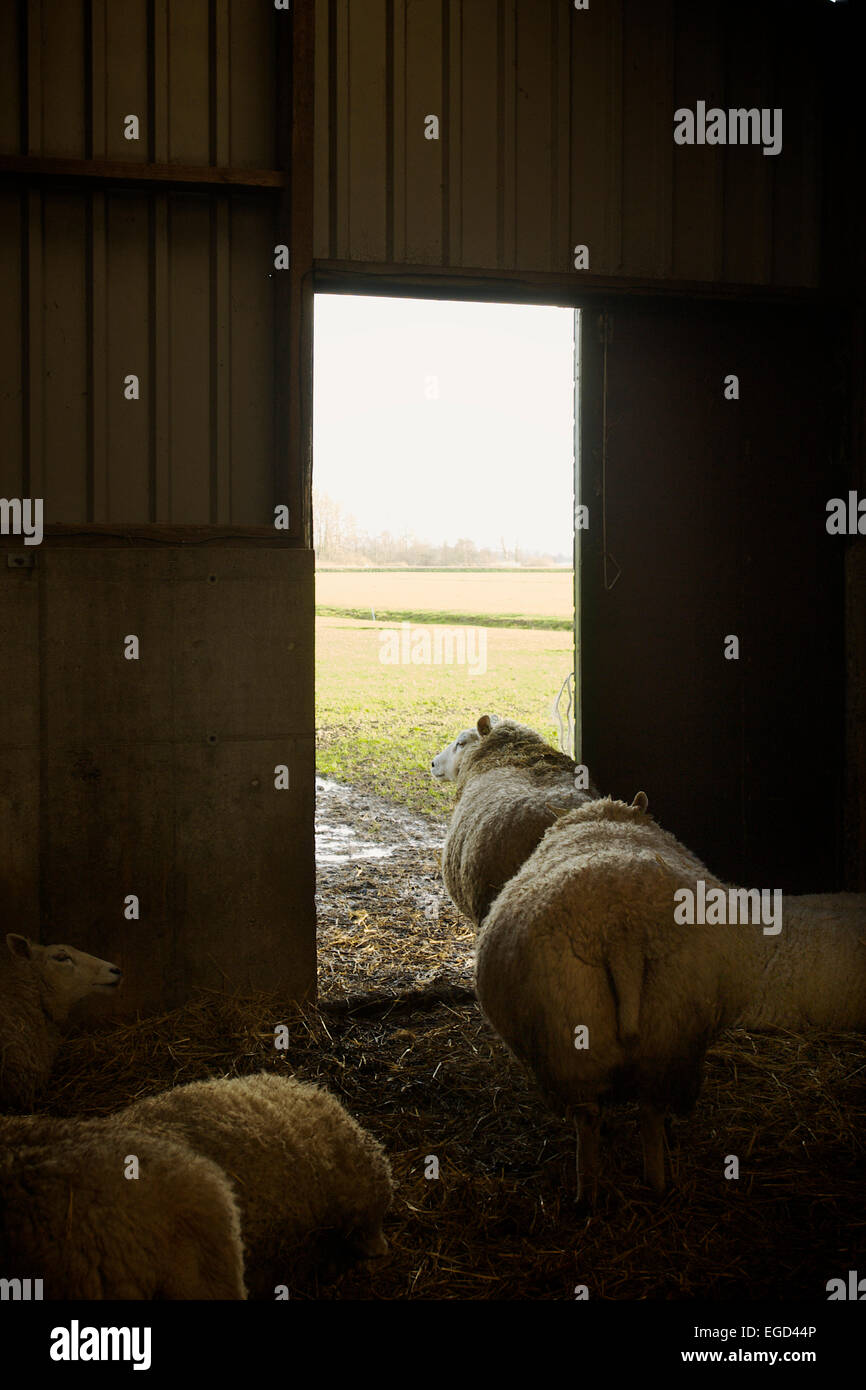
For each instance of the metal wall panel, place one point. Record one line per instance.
(172, 287)
(61, 464)
(199, 74)
(11, 342)
(10, 80)
(57, 107)
(557, 129)
(531, 159)
(246, 86)
(595, 93)
(186, 81)
(476, 193)
(120, 76)
(121, 462)
(361, 116)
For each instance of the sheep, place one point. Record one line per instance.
(585, 937)
(313, 1186)
(38, 987)
(71, 1214)
(814, 974)
(511, 787)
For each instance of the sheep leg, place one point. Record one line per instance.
(588, 1126)
(653, 1136)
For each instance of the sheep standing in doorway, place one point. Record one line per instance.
(588, 977)
(511, 787)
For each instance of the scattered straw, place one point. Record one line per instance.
(433, 1081)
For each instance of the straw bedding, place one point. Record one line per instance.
(398, 1037)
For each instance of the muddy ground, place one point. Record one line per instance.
(385, 922)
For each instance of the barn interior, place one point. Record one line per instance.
(177, 181)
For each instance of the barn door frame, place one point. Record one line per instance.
(293, 304)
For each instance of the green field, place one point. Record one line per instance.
(379, 725)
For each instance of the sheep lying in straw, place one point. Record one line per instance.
(584, 937)
(511, 787)
(38, 987)
(313, 1186)
(71, 1216)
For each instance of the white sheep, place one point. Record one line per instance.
(584, 938)
(72, 1215)
(313, 1186)
(446, 765)
(511, 787)
(38, 987)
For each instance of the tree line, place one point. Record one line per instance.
(338, 540)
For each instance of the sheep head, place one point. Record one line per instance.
(63, 974)
(446, 765)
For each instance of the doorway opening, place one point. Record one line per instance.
(443, 516)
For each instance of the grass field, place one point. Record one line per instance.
(380, 725)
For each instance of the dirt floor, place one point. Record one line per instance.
(379, 886)
(398, 1036)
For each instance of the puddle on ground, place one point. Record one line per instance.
(384, 922)
(353, 826)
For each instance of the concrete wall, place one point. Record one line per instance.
(155, 777)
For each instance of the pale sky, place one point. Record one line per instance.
(491, 457)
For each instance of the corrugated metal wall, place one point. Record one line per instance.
(175, 288)
(556, 128)
(198, 73)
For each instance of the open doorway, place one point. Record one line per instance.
(443, 511)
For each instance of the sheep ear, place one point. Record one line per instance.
(19, 946)
(641, 801)
(483, 725)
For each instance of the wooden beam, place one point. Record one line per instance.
(152, 533)
(293, 291)
(103, 172)
(301, 306)
(536, 287)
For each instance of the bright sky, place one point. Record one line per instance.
(491, 457)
